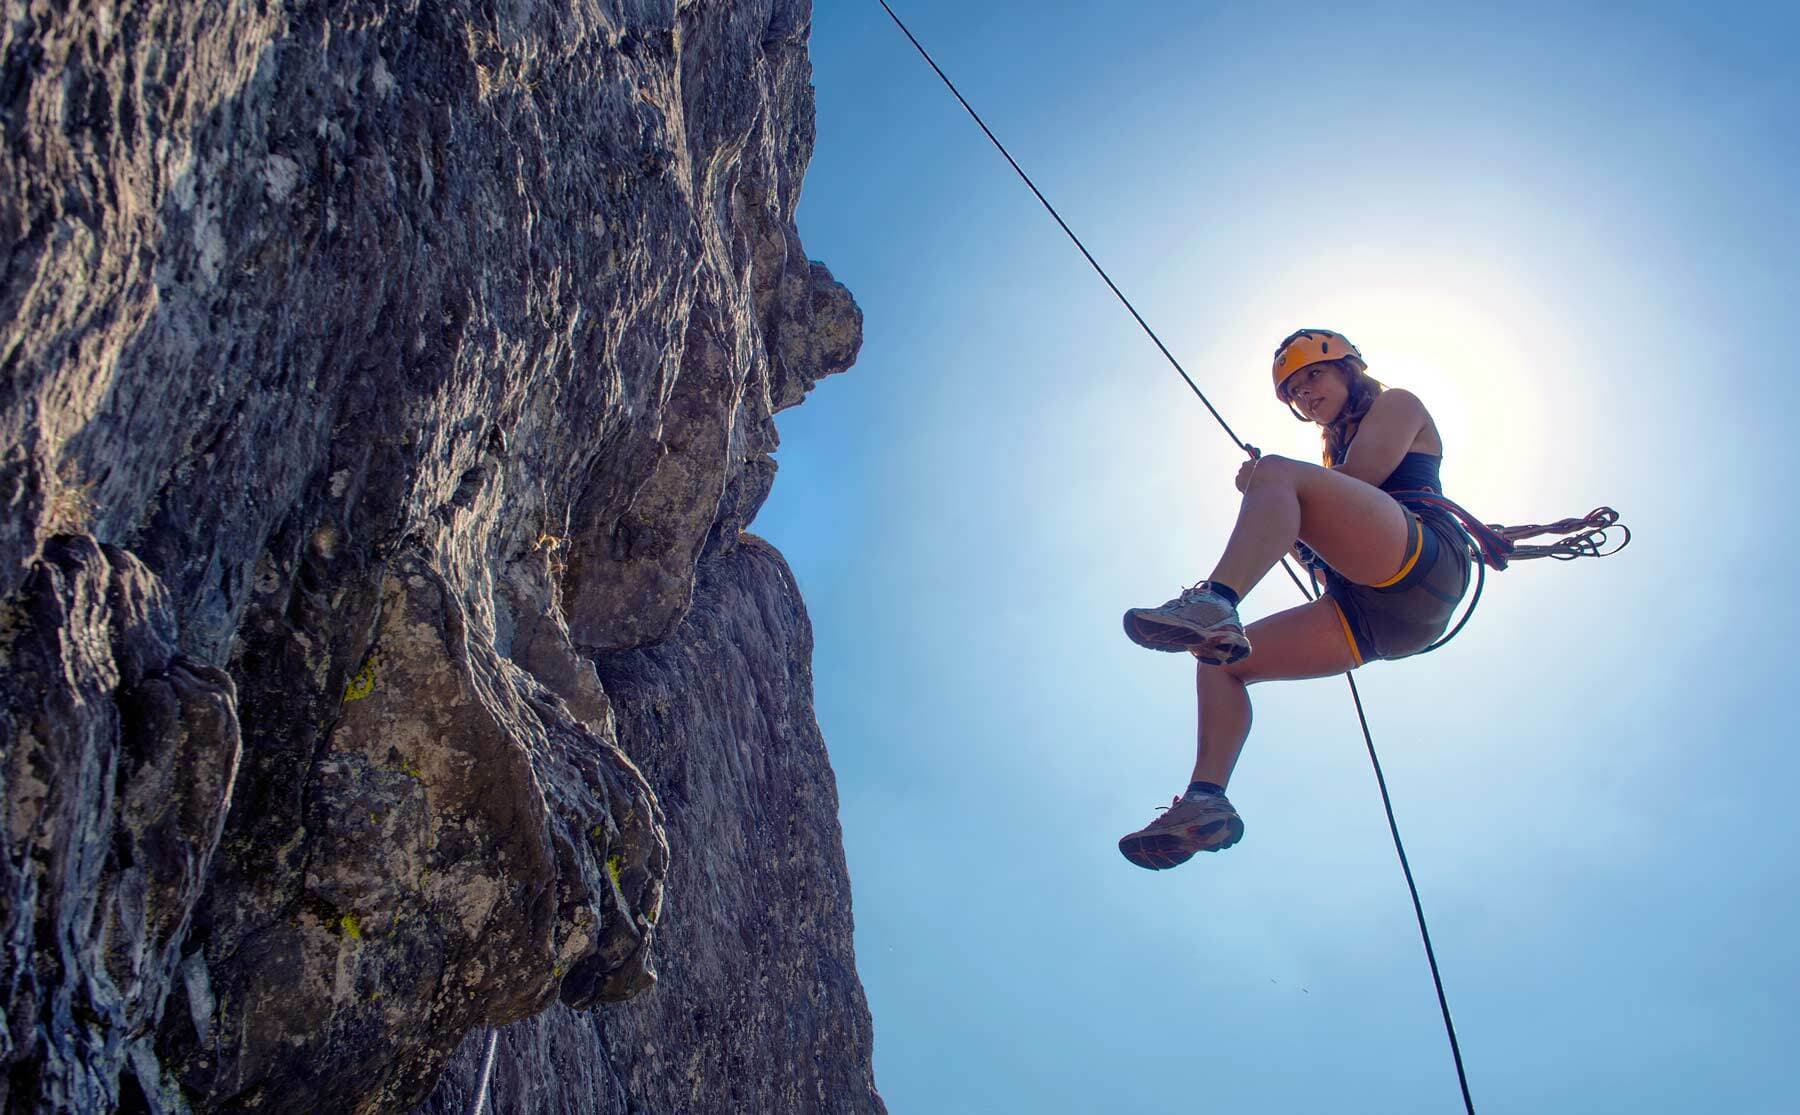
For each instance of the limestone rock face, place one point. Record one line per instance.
(365, 370)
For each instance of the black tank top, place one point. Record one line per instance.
(1415, 471)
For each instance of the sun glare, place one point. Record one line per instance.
(1476, 347)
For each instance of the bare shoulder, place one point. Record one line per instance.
(1399, 400)
(1399, 404)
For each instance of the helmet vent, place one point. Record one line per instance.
(1324, 347)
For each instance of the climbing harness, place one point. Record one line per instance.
(1496, 545)
(1490, 545)
(1493, 546)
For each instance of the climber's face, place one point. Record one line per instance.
(1318, 391)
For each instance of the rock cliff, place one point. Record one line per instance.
(757, 1006)
(368, 372)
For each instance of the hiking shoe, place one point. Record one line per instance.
(1199, 620)
(1195, 822)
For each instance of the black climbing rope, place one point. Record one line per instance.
(1386, 801)
(1026, 178)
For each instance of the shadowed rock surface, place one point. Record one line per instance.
(119, 766)
(757, 1007)
(365, 370)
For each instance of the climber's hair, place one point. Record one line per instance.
(1363, 389)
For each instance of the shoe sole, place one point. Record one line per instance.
(1159, 851)
(1216, 646)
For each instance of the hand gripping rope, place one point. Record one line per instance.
(1489, 545)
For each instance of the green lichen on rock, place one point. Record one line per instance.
(363, 683)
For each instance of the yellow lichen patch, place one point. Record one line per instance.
(615, 866)
(363, 683)
(70, 508)
(351, 927)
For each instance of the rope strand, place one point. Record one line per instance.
(1418, 910)
(1051, 209)
(487, 1072)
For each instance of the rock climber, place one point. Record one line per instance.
(1393, 574)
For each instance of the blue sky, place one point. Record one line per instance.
(1573, 235)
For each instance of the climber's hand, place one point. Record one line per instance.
(1248, 467)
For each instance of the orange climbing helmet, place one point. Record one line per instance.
(1310, 346)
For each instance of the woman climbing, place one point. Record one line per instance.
(1393, 573)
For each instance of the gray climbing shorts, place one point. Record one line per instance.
(1406, 614)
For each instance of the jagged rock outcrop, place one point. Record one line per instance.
(118, 771)
(758, 1007)
(365, 369)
